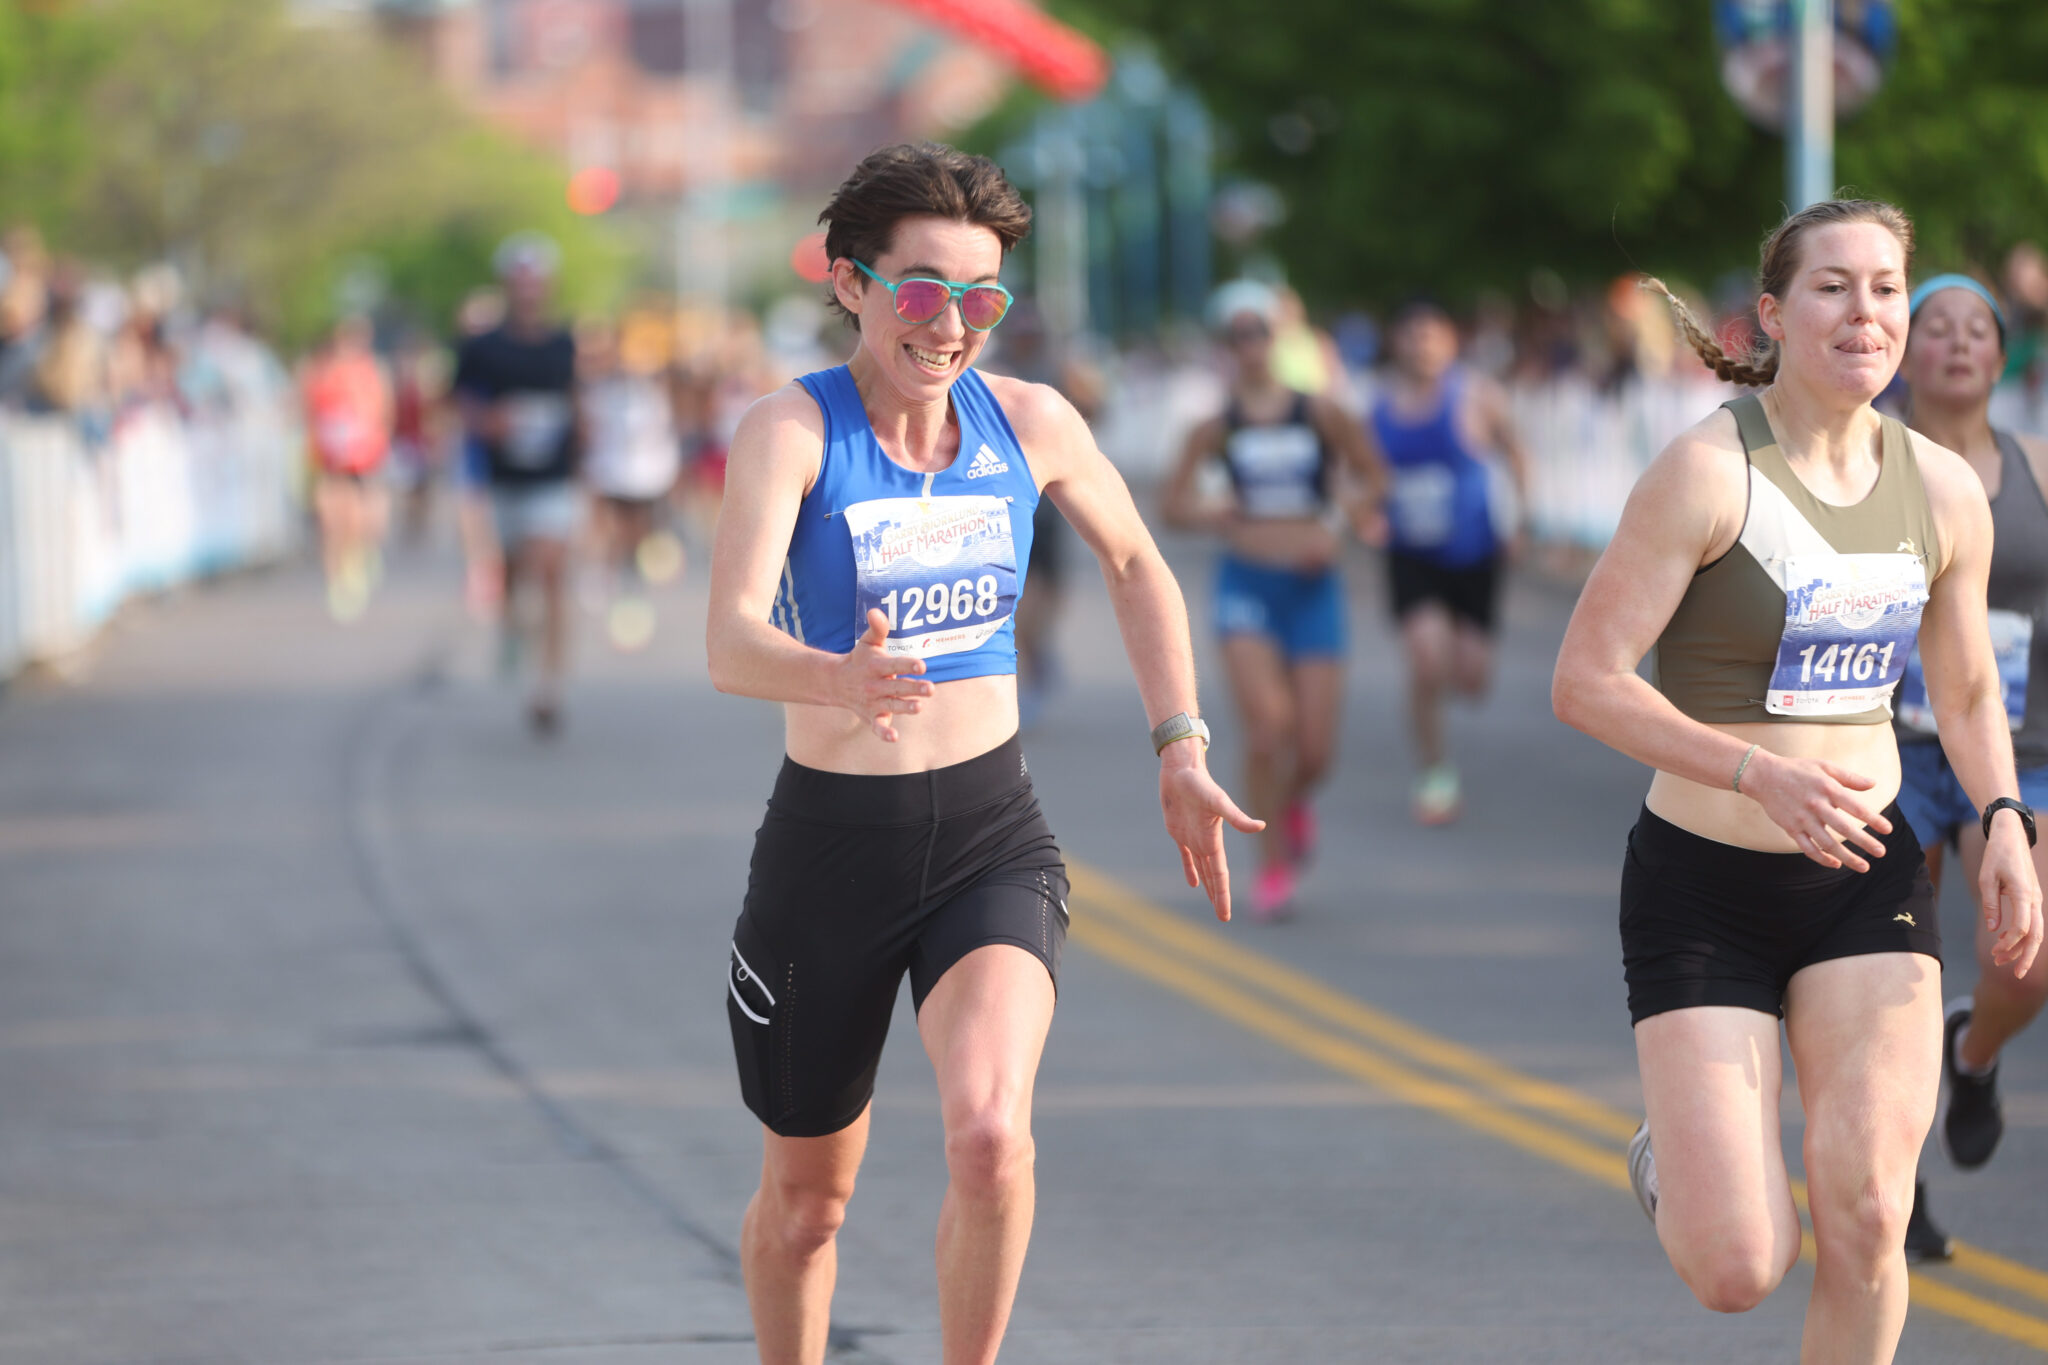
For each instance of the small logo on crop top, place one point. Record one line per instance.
(1907, 918)
(985, 463)
(1906, 547)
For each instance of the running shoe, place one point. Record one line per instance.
(1924, 1240)
(1298, 828)
(1642, 1170)
(1437, 799)
(1273, 893)
(348, 593)
(1971, 1120)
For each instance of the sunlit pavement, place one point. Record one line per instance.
(340, 1020)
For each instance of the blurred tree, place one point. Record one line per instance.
(1450, 145)
(47, 54)
(268, 158)
(1958, 136)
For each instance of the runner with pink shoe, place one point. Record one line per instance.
(1279, 596)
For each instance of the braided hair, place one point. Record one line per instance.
(1758, 366)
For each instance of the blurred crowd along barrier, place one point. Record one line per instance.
(1588, 444)
(93, 514)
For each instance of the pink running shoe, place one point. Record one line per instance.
(1273, 893)
(1298, 828)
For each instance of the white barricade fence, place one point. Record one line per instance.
(1587, 447)
(162, 500)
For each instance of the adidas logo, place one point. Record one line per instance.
(985, 463)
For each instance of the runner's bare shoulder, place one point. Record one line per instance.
(781, 433)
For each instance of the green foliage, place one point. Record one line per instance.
(47, 54)
(1451, 145)
(266, 157)
(1958, 137)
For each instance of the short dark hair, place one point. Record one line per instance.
(913, 179)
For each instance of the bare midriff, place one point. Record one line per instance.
(1726, 816)
(1302, 543)
(962, 719)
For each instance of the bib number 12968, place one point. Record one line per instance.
(938, 604)
(942, 570)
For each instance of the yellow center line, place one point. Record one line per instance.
(1270, 999)
(1313, 997)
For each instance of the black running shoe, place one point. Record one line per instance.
(1925, 1241)
(1971, 1121)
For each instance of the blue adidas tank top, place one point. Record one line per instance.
(940, 554)
(1442, 504)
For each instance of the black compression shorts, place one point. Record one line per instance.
(1469, 593)
(856, 880)
(1707, 923)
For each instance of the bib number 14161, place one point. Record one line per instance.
(1845, 663)
(939, 603)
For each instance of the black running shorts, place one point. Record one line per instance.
(1707, 923)
(1469, 593)
(855, 881)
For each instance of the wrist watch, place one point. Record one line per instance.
(1179, 727)
(2019, 808)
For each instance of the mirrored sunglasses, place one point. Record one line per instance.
(919, 299)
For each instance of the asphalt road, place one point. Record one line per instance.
(342, 1021)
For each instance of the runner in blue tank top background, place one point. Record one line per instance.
(865, 574)
(1441, 429)
(1279, 594)
(1955, 354)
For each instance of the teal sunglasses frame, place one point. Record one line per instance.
(956, 294)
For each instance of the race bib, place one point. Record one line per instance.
(1276, 470)
(337, 435)
(535, 424)
(1850, 624)
(1424, 501)
(2012, 642)
(943, 570)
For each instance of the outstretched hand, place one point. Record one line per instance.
(1196, 810)
(2010, 893)
(875, 685)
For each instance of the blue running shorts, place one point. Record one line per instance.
(1303, 613)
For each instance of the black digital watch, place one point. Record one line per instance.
(2019, 808)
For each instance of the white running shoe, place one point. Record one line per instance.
(1642, 1170)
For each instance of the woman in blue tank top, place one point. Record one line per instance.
(865, 575)
(1438, 427)
(1279, 594)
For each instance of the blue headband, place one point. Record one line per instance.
(1928, 288)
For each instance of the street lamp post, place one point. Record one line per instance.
(1810, 105)
(701, 263)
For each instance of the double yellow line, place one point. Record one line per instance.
(1295, 1011)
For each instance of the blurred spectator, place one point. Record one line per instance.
(417, 381)
(68, 372)
(516, 387)
(631, 460)
(2026, 294)
(23, 300)
(348, 420)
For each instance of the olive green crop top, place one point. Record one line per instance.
(1813, 613)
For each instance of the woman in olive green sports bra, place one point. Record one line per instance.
(1780, 558)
